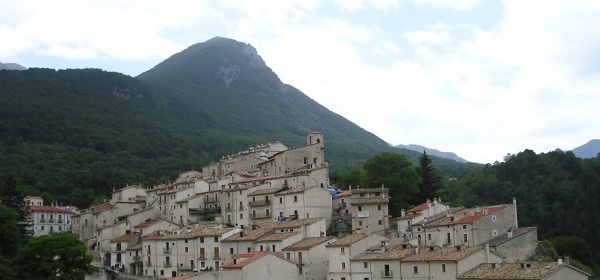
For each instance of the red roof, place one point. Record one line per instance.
(418, 208)
(146, 223)
(344, 193)
(246, 258)
(123, 238)
(47, 209)
(409, 216)
(100, 207)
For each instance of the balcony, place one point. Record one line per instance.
(387, 274)
(227, 209)
(59, 221)
(211, 200)
(167, 250)
(260, 215)
(202, 257)
(217, 256)
(260, 202)
(167, 263)
(205, 210)
(42, 221)
(51, 221)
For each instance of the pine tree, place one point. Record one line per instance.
(431, 183)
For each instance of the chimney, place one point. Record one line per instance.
(234, 261)
(402, 213)
(487, 252)
(559, 261)
(509, 234)
(416, 250)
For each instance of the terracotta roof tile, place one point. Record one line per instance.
(123, 238)
(442, 254)
(513, 271)
(348, 240)
(147, 223)
(374, 190)
(409, 216)
(48, 209)
(201, 231)
(418, 208)
(343, 193)
(265, 191)
(396, 254)
(277, 236)
(247, 258)
(369, 200)
(261, 229)
(307, 243)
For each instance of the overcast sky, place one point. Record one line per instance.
(478, 78)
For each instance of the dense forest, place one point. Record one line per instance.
(556, 192)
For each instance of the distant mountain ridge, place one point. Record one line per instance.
(588, 150)
(432, 152)
(11, 66)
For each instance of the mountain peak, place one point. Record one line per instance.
(590, 149)
(11, 66)
(218, 61)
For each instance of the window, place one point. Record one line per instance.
(494, 232)
(365, 264)
(186, 241)
(281, 200)
(343, 265)
(295, 198)
(201, 239)
(415, 269)
(241, 216)
(494, 218)
(186, 249)
(288, 256)
(359, 208)
(465, 238)
(464, 226)
(299, 270)
(443, 267)
(231, 251)
(342, 250)
(379, 207)
(359, 223)
(273, 248)
(380, 222)
(249, 249)
(216, 239)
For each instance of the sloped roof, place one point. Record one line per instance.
(123, 238)
(47, 209)
(443, 254)
(515, 233)
(369, 200)
(147, 223)
(515, 271)
(348, 240)
(247, 258)
(307, 243)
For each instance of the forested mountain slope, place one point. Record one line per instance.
(74, 135)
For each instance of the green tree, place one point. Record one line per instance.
(395, 172)
(431, 183)
(11, 239)
(13, 199)
(354, 177)
(55, 256)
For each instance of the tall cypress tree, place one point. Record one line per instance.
(431, 182)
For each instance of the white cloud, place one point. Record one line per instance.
(452, 4)
(529, 81)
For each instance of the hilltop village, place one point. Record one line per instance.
(269, 212)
